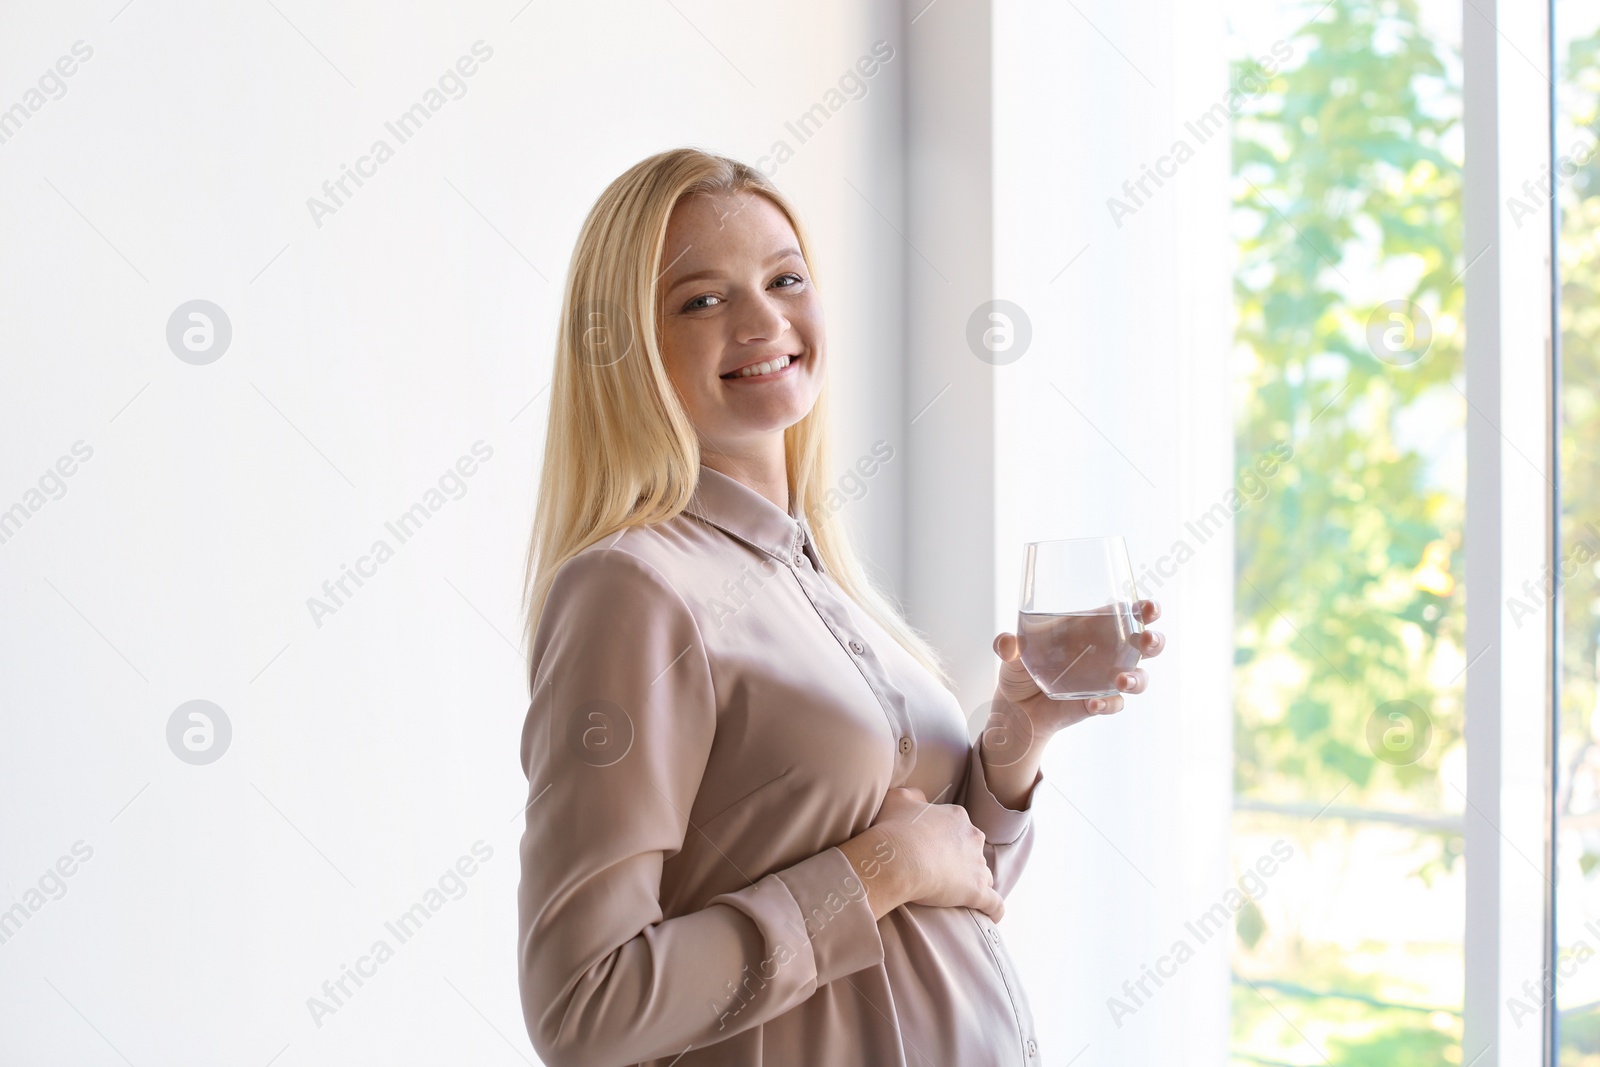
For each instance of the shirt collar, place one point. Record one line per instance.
(735, 508)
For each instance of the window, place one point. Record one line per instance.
(1349, 621)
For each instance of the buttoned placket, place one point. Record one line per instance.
(825, 602)
(837, 619)
(736, 515)
(1013, 983)
(786, 538)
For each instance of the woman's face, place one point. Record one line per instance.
(736, 293)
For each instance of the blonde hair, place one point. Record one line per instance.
(620, 449)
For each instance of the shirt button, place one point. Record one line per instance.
(1032, 1048)
(799, 559)
(857, 647)
(905, 744)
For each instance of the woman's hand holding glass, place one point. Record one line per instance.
(1078, 638)
(1023, 717)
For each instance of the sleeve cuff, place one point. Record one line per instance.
(836, 915)
(1000, 825)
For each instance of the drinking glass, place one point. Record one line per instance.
(1077, 617)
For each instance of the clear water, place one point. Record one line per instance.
(1076, 655)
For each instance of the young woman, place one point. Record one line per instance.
(757, 831)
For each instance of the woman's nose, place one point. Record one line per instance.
(764, 321)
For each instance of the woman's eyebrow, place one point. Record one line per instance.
(713, 272)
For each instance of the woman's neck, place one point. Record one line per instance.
(766, 473)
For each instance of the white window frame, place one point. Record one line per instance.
(1510, 509)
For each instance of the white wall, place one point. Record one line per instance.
(371, 752)
(369, 353)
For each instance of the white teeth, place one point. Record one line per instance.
(765, 368)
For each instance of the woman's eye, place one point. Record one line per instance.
(700, 303)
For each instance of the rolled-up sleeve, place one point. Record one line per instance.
(614, 746)
(1008, 833)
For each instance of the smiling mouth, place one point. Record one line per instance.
(764, 370)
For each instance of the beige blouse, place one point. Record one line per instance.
(712, 716)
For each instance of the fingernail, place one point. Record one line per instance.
(1097, 705)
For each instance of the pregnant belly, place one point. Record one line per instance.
(957, 995)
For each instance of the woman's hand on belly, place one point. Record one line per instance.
(921, 853)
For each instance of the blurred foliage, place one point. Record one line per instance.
(1274, 1025)
(1347, 176)
(1347, 195)
(1578, 249)
(1580, 1040)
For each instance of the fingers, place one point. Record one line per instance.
(1132, 681)
(1005, 646)
(1149, 642)
(988, 900)
(1103, 705)
(992, 905)
(1149, 610)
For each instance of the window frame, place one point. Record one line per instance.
(1511, 298)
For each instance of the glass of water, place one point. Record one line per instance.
(1078, 616)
